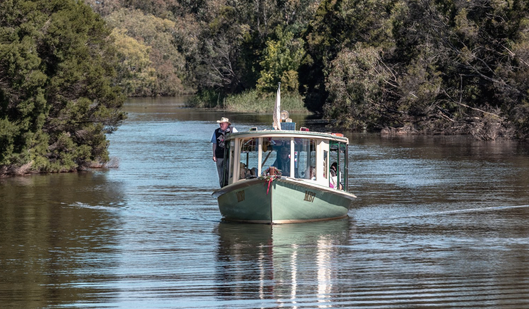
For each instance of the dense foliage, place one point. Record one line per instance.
(432, 66)
(423, 66)
(220, 46)
(57, 99)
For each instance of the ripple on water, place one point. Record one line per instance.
(439, 222)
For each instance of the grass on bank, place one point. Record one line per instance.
(249, 102)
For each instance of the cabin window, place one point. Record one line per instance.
(268, 156)
(305, 158)
(248, 165)
(277, 157)
(337, 168)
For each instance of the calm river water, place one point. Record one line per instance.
(439, 222)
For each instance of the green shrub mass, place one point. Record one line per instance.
(57, 99)
(253, 102)
(396, 66)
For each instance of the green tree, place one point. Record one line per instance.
(57, 99)
(167, 63)
(281, 60)
(227, 51)
(104, 7)
(360, 88)
(466, 45)
(219, 64)
(135, 73)
(515, 72)
(337, 25)
(450, 67)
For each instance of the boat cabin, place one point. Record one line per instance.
(319, 158)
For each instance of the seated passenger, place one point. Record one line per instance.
(334, 177)
(310, 173)
(242, 170)
(252, 173)
(283, 161)
(245, 172)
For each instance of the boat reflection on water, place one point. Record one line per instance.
(280, 263)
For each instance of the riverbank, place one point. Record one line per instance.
(249, 102)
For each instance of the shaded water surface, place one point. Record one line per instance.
(439, 222)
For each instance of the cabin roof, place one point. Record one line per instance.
(289, 133)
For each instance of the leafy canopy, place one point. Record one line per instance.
(57, 96)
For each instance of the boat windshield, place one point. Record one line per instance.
(280, 158)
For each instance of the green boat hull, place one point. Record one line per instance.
(281, 201)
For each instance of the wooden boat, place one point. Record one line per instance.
(285, 176)
(257, 192)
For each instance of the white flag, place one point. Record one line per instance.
(277, 109)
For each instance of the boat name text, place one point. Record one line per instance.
(240, 196)
(309, 196)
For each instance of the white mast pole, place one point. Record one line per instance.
(277, 109)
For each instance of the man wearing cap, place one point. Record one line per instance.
(218, 139)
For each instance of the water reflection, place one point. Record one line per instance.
(57, 230)
(286, 265)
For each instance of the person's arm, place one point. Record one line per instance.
(214, 148)
(214, 142)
